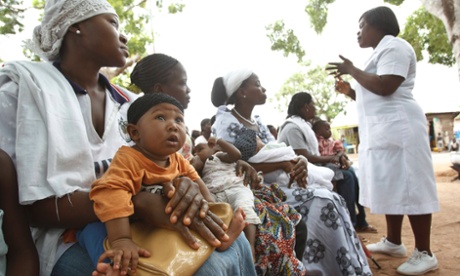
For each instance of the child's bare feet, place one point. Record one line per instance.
(234, 230)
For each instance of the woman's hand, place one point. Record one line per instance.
(250, 174)
(338, 69)
(211, 228)
(297, 170)
(342, 86)
(185, 200)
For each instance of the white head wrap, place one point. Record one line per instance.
(59, 16)
(234, 79)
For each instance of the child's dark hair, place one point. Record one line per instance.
(144, 103)
(204, 122)
(317, 124)
(152, 69)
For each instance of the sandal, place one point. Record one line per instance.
(366, 229)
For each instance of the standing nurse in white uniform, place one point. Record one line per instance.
(396, 170)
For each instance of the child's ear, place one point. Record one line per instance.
(133, 132)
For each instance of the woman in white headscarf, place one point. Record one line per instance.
(332, 247)
(59, 124)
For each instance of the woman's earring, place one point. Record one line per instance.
(77, 32)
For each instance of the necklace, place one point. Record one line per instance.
(251, 122)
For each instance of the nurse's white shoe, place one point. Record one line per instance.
(388, 248)
(419, 263)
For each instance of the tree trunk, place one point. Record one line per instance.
(449, 13)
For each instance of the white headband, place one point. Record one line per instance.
(58, 17)
(234, 79)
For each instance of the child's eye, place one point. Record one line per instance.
(160, 117)
(179, 120)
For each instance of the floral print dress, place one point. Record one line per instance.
(333, 247)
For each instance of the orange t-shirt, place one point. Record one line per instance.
(128, 171)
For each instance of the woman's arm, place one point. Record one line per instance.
(297, 140)
(22, 257)
(297, 169)
(271, 167)
(384, 85)
(71, 211)
(316, 159)
(149, 207)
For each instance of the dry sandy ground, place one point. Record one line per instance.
(445, 239)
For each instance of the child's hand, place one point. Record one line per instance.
(345, 162)
(335, 159)
(212, 141)
(251, 176)
(126, 254)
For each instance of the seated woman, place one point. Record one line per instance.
(332, 246)
(297, 132)
(59, 125)
(160, 73)
(18, 255)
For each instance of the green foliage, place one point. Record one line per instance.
(11, 15)
(317, 11)
(174, 8)
(320, 85)
(426, 33)
(38, 4)
(284, 40)
(394, 2)
(135, 18)
(123, 80)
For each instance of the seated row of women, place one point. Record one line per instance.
(61, 126)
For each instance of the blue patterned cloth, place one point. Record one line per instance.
(333, 247)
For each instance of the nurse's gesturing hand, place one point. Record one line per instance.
(338, 69)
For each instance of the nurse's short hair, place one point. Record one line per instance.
(382, 18)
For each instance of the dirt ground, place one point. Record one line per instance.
(445, 239)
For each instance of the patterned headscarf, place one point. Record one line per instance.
(59, 16)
